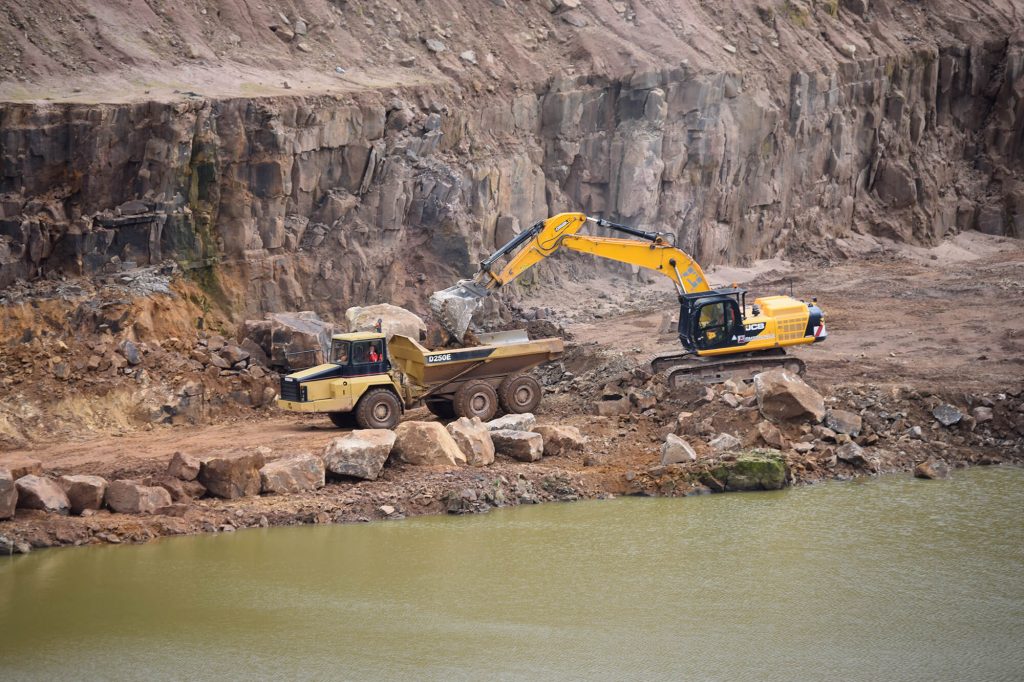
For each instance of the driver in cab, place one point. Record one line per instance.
(712, 320)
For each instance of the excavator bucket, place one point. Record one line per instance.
(454, 307)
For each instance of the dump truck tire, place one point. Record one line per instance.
(442, 409)
(519, 394)
(476, 399)
(342, 419)
(378, 409)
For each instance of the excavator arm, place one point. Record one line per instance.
(454, 307)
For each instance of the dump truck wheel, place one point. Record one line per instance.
(443, 409)
(519, 394)
(378, 409)
(476, 399)
(342, 419)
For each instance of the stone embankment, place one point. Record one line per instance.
(774, 432)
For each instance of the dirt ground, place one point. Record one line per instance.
(908, 328)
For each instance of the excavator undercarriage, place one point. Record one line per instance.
(680, 369)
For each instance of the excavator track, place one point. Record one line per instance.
(680, 369)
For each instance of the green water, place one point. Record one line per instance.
(891, 579)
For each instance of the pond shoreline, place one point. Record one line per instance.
(406, 491)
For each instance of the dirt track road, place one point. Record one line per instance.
(900, 317)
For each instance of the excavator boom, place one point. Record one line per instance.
(454, 307)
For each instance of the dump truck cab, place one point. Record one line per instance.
(357, 378)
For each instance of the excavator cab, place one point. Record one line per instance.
(711, 319)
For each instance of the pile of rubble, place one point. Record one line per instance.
(790, 427)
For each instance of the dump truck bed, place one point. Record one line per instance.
(429, 368)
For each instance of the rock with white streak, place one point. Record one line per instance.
(513, 422)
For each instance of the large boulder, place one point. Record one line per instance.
(843, 421)
(474, 439)
(184, 467)
(933, 468)
(525, 446)
(513, 422)
(781, 395)
(36, 492)
(232, 476)
(675, 450)
(360, 454)
(131, 497)
(751, 470)
(290, 340)
(426, 444)
(394, 320)
(84, 492)
(560, 440)
(8, 494)
(295, 474)
(771, 435)
(854, 455)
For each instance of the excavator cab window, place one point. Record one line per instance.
(717, 324)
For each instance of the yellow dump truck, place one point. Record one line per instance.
(374, 379)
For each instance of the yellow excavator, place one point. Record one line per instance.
(722, 337)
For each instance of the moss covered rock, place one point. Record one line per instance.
(751, 470)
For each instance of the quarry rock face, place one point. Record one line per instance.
(302, 199)
(289, 340)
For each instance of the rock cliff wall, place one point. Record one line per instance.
(325, 201)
